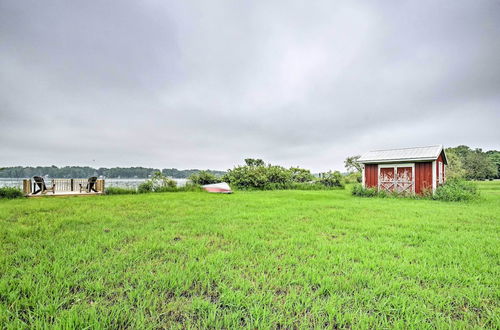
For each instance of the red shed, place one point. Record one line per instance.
(413, 170)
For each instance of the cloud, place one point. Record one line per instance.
(198, 84)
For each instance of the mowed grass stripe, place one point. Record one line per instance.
(251, 259)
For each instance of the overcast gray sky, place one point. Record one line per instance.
(205, 84)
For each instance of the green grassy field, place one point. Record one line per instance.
(251, 259)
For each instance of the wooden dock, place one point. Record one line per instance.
(64, 188)
(65, 194)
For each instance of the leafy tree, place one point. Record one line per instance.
(462, 151)
(254, 162)
(352, 164)
(476, 164)
(332, 179)
(300, 174)
(495, 158)
(454, 169)
(479, 166)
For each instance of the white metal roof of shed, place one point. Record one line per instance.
(403, 154)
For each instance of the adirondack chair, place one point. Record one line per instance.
(40, 186)
(90, 186)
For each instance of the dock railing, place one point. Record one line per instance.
(64, 186)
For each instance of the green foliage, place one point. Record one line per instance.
(332, 179)
(494, 155)
(352, 164)
(477, 165)
(145, 187)
(353, 177)
(203, 177)
(300, 175)
(119, 191)
(10, 192)
(256, 260)
(256, 175)
(456, 190)
(358, 190)
(157, 183)
(454, 169)
(160, 182)
(254, 162)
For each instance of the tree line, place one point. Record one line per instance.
(473, 164)
(86, 171)
(463, 162)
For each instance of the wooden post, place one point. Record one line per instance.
(100, 185)
(27, 186)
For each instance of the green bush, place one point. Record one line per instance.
(203, 177)
(358, 190)
(119, 191)
(157, 183)
(456, 190)
(145, 187)
(353, 177)
(300, 175)
(10, 192)
(260, 177)
(332, 179)
(256, 175)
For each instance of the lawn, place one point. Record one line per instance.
(252, 259)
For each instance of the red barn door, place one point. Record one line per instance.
(386, 179)
(404, 180)
(398, 178)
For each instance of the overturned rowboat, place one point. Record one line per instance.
(221, 188)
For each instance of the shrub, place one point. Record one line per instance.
(353, 177)
(300, 174)
(332, 179)
(358, 190)
(456, 190)
(157, 183)
(203, 177)
(10, 192)
(259, 176)
(119, 191)
(145, 187)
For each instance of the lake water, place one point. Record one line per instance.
(122, 183)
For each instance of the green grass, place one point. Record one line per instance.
(251, 259)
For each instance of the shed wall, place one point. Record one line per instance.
(423, 177)
(440, 160)
(371, 175)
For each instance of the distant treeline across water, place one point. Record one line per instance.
(86, 171)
